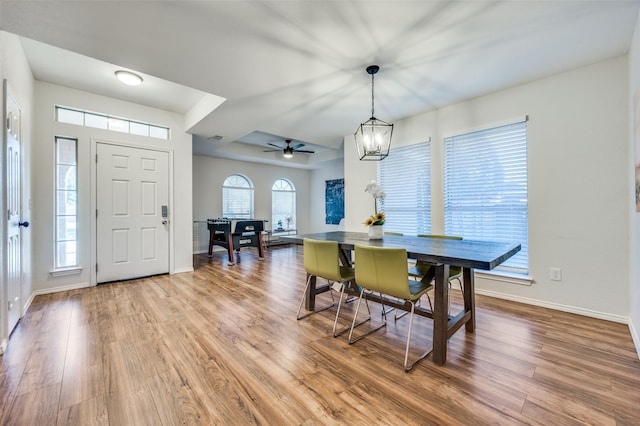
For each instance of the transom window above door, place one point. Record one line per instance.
(108, 122)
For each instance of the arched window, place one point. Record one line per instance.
(237, 197)
(283, 205)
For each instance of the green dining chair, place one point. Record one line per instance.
(322, 260)
(395, 315)
(421, 268)
(383, 270)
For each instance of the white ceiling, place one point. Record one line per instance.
(296, 69)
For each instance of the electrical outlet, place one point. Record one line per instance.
(555, 274)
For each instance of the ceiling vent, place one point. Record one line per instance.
(215, 138)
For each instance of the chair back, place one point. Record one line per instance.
(448, 237)
(322, 259)
(383, 270)
(422, 267)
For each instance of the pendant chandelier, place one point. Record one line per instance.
(373, 137)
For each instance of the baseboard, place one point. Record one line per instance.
(556, 306)
(635, 337)
(28, 304)
(59, 289)
(180, 271)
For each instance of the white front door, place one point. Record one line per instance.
(14, 208)
(132, 224)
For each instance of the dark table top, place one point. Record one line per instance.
(484, 255)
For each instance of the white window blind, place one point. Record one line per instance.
(237, 198)
(283, 205)
(485, 186)
(405, 176)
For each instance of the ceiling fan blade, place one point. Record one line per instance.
(275, 146)
(300, 145)
(272, 150)
(304, 150)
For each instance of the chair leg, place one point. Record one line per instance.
(306, 289)
(335, 323)
(407, 366)
(450, 287)
(355, 316)
(388, 311)
(396, 317)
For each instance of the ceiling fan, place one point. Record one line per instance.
(288, 150)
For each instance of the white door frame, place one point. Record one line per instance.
(94, 202)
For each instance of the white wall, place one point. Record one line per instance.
(578, 183)
(634, 158)
(210, 173)
(15, 68)
(47, 96)
(329, 171)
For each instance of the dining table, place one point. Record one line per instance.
(442, 253)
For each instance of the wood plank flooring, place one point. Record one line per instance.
(222, 346)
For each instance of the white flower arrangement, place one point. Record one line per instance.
(376, 192)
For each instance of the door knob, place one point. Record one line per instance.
(164, 222)
(25, 224)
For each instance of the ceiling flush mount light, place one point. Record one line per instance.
(129, 78)
(373, 137)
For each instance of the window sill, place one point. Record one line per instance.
(506, 277)
(63, 272)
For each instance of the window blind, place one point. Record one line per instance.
(283, 204)
(405, 176)
(237, 198)
(485, 187)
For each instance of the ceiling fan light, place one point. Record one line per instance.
(288, 152)
(129, 78)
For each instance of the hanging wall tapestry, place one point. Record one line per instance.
(334, 201)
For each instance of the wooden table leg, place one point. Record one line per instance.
(211, 238)
(345, 257)
(232, 260)
(469, 298)
(310, 297)
(440, 315)
(260, 246)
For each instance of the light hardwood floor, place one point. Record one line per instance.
(222, 346)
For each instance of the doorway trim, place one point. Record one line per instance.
(94, 202)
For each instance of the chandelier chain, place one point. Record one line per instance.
(372, 77)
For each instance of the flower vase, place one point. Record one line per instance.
(376, 232)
